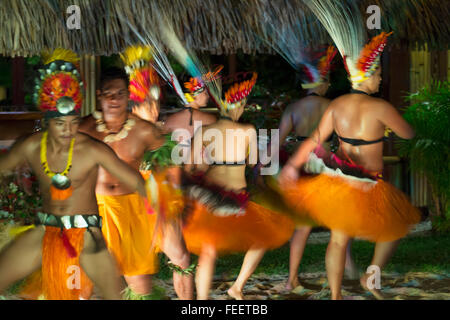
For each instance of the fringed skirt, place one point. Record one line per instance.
(61, 276)
(356, 204)
(231, 223)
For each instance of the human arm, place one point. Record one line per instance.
(153, 137)
(300, 157)
(107, 158)
(13, 158)
(392, 119)
(147, 110)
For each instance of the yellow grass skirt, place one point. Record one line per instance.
(374, 211)
(128, 231)
(257, 227)
(60, 277)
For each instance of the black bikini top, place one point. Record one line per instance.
(228, 164)
(360, 142)
(303, 138)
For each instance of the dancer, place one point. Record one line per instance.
(303, 116)
(66, 166)
(222, 219)
(124, 212)
(354, 200)
(198, 97)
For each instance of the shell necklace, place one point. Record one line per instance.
(112, 137)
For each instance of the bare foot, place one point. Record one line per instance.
(290, 285)
(234, 293)
(376, 292)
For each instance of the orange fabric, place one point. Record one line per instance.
(58, 194)
(128, 231)
(171, 200)
(57, 279)
(258, 227)
(376, 212)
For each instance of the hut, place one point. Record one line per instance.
(418, 50)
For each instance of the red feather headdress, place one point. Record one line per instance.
(58, 90)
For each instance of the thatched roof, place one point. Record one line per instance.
(217, 26)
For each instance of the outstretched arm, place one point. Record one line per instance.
(300, 157)
(14, 157)
(147, 110)
(392, 119)
(108, 159)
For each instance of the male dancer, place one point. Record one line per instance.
(67, 172)
(125, 216)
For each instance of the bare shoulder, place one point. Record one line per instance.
(90, 147)
(145, 127)
(29, 144)
(292, 106)
(205, 116)
(248, 126)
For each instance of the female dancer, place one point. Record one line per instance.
(354, 200)
(221, 218)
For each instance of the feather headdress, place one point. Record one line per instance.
(58, 89)
(291, 44)
(160, 61)
(346, 28)
(316, 72)
(143, 78)
(188, 59)
(236, 96)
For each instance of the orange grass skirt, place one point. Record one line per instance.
(128, 231)
(258, 227)
(373, 211)
(60, 277)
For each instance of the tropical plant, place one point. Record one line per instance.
(429, 150)
(20, 199)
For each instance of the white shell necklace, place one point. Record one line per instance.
(101, 127)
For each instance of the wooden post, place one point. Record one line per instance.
(232, 64)
(89, 68)
(18, 75)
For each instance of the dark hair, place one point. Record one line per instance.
(113, 73)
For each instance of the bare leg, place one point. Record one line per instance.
(351, 270)
(298, 243)
(205, 271)
(335, 261)
(140, 284)
(175, 248)
(100, 266)
(383, 252)
(251, 261)
(21, 257)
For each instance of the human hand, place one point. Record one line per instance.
(288, 174)
(147, 110)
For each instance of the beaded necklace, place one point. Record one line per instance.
(60, 181)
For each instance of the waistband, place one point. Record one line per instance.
(69, 222)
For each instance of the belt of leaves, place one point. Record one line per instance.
(161, 157)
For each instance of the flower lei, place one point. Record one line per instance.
(101, 127)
